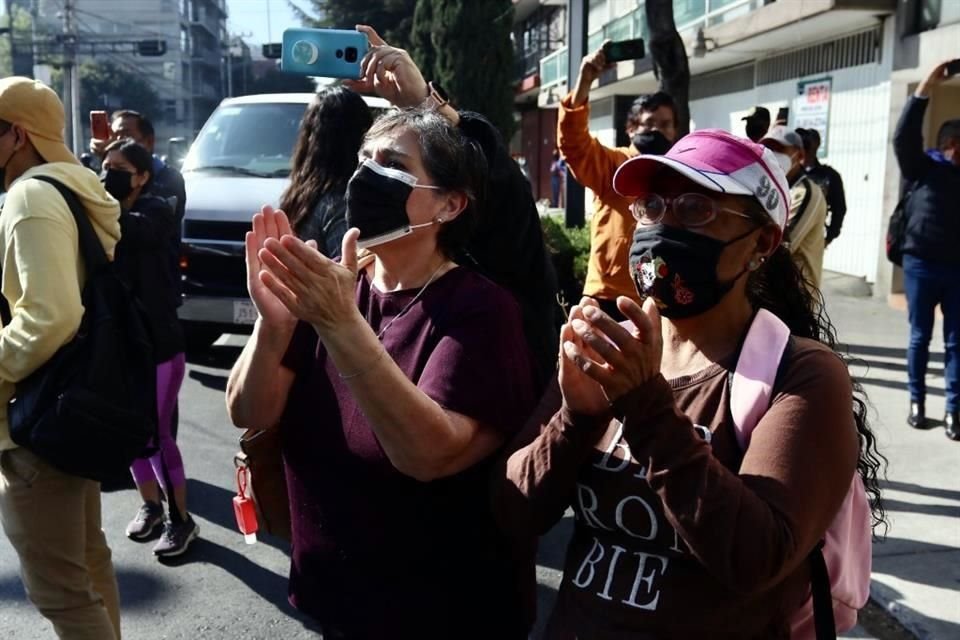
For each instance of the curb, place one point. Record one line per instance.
(880, 622)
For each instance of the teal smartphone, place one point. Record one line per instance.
(325, 53)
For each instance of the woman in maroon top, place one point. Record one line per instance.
(679, 533)
(393, 392)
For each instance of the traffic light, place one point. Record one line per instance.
(272, 51)
(152, 48)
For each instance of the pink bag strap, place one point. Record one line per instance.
(751, 388)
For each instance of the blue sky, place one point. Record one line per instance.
(248, 18)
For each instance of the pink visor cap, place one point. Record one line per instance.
(718, 161)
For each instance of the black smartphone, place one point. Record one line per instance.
(624, 50)
(953, 68)
(783, 115)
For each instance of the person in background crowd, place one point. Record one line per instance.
(167, 181)
(558, 179)
(931, 261)
(652, 127)
(147, 223)
(808, 208)
(758, 123)
(638, 436)
(829, 181)
(51, 518)
(393, 393)
(324, 158)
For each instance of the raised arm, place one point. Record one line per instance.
(908, 137)
(588, 160)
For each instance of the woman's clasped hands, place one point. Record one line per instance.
(601, 360)
(289, 279)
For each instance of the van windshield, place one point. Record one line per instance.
(248, 139)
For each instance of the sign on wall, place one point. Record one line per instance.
(812, 109)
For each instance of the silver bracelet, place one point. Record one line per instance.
(351, 376)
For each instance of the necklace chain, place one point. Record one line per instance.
(412, 302)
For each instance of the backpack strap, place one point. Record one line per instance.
(824, 623)
(751, 384)
(91, 249)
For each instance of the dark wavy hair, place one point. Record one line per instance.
(325, 155)
(453, 162)
(779, 286)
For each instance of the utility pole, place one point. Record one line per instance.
(71, 77)
(229, 66)
(13, 50)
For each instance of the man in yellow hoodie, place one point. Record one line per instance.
(652, 128)
(52, 519)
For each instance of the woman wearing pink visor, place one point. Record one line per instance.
(706, 446)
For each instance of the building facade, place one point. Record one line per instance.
(190, 78)
(845, 67)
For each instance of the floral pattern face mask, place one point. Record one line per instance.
(678, 269)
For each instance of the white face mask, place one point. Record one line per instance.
(786, 161)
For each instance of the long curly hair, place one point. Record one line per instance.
(780, 287)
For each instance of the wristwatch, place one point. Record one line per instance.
(436, 96)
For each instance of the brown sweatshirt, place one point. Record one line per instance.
(679, 534)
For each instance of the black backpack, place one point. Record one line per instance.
(91, 409)
(897, 227)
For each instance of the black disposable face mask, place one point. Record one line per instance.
(678, 269)
(651, 143)
(118, 183)
(377, 203)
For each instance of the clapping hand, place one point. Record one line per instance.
(309, 285)
(614, 358)
(269, 223)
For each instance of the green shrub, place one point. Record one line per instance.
(563, 240)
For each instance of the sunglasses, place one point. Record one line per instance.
(690, 209)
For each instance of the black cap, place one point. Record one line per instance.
(757, 113)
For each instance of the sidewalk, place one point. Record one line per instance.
(916, 570)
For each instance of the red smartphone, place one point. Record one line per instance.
(99, 125)
(953, 68)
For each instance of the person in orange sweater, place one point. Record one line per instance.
(652, 127)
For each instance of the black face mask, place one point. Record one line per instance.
(377, 203)
(651, 143)
(678, 269)
(118, 183)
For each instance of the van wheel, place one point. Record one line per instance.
(199, 336)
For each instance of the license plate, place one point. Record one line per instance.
(244, 312)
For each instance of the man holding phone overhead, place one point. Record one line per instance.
(652, 127)
(931, 264)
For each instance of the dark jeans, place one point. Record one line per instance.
(929, 284)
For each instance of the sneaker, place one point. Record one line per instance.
(148, 518)
(176, 538)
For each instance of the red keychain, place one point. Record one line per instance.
(244, 508)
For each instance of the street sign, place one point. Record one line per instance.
(812, 109)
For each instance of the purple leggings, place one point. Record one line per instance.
(165, 465)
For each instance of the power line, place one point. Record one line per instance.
(131, 28)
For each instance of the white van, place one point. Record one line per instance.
(239, 162)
